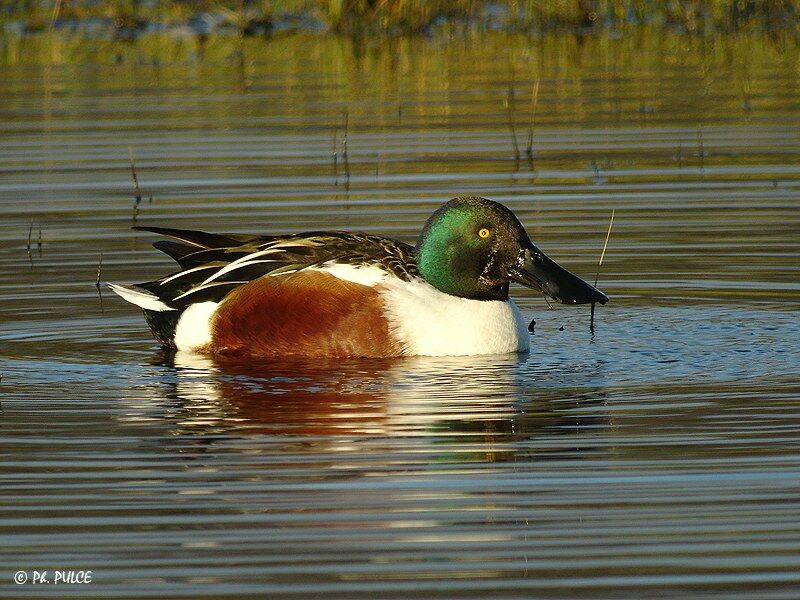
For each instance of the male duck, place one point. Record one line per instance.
(337, 294)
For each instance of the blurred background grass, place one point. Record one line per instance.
(393, 17)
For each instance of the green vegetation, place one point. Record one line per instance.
(400, 16)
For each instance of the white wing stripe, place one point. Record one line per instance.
(207, 286)
(187, 272)
(141, 298)
(248, 259)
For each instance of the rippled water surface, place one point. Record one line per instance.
(656, 457)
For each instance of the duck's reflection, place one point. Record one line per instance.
(489, 401)
(301, 397)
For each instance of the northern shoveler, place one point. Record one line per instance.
(336, 294)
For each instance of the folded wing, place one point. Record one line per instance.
(212, 265)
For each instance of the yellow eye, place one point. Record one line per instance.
(484, 233)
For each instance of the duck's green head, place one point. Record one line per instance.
(473, 248)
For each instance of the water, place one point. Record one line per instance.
(657, 456)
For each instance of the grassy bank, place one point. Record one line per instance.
(393, 17)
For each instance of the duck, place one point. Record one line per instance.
(337, 294)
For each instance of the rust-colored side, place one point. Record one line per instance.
(308, 313)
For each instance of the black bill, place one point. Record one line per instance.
(535, 270)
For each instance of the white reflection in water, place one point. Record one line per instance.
(483, 401)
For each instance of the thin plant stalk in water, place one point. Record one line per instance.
(28, 245)
(599, 264)
(508, 103)
(534, 102)
(335, 158)
(345, 155)
(97, 282)
(137, 192)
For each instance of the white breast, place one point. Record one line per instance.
(433, 323)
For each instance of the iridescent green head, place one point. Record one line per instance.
(473, 248)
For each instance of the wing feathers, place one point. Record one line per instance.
(175, 250)
(214, 264)
(202, 239)
(139, 296)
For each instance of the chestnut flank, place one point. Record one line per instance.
(308, 313)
